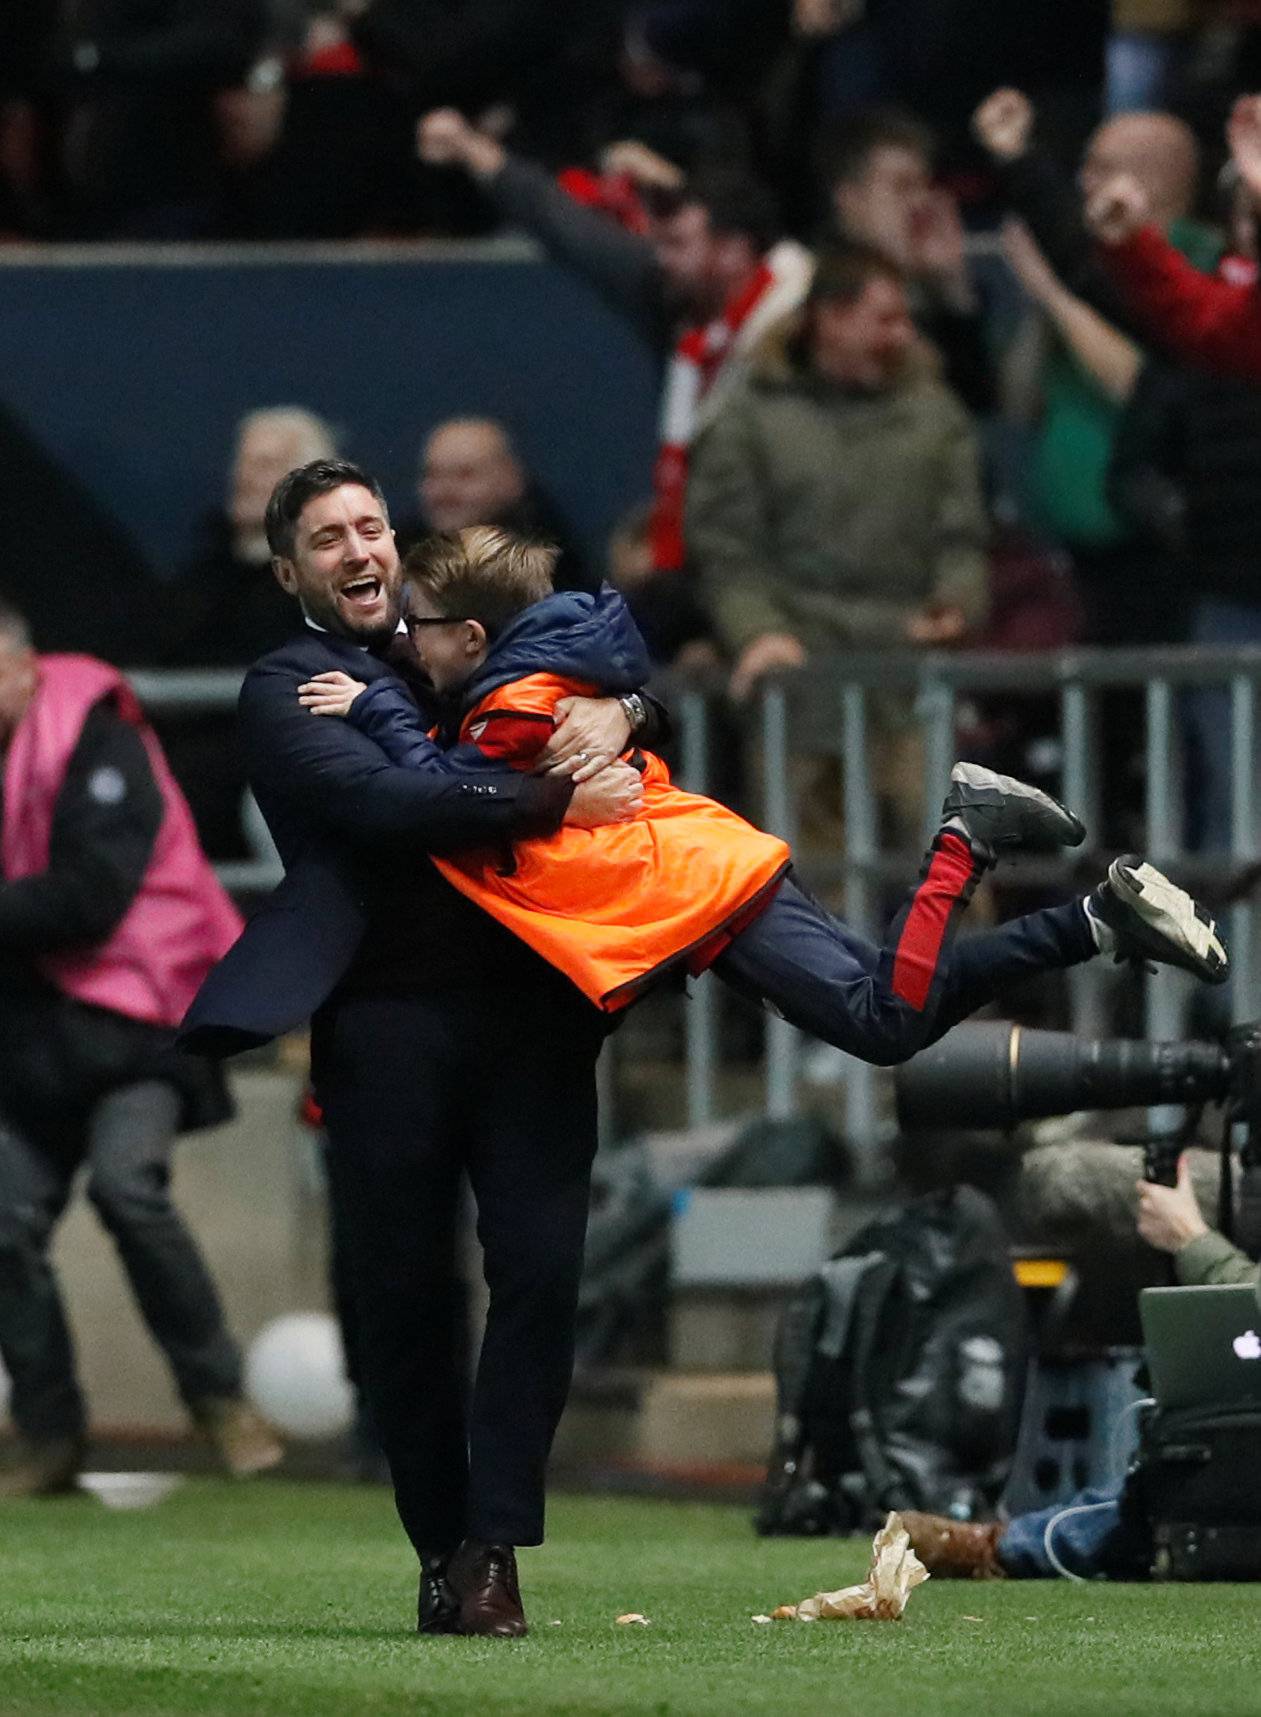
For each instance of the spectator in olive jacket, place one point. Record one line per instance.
(835, 502)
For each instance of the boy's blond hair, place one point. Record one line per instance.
(482, 574)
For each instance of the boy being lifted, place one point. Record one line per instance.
(690, 884)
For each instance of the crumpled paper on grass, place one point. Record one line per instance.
(894, 1573)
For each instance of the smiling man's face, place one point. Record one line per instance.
(344, 569)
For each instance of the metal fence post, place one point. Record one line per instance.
(700, 1012)
(935, 706)
(1081, 794)
(862, 851)
(1243, 840)
(1165, 1004)
(781, 1038)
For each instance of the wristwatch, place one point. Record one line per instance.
(635, 711)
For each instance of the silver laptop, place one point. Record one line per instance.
(1203, 1345)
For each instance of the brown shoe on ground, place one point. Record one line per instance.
(955, 1549)
(242, 1438)
(483, 1579)
(46, 1469)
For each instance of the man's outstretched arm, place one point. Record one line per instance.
(620, 265)
(1213, 322)
(1197, 316)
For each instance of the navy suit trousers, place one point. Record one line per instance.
(417, 1089)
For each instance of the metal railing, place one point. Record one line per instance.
(211, 691)
(933, 685)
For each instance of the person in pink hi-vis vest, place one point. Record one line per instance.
(110, 917)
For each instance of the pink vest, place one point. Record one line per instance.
(181, 921)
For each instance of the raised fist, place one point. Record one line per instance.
(1003, 124)
(443, 137)
(641, 164)
(1118, 209)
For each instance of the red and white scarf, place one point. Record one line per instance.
(701, 371)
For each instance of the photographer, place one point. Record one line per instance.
(1169, 1219)
(1105, 1533)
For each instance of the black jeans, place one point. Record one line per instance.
(126, 1150)
(415, 1090)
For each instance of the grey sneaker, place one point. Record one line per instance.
(1152, 919)
(1007, 814)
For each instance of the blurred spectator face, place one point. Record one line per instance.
(702, 267)
(268, 444)
(630, 551)
(863, 342)
(469, 475)
(1243, 223)
(683, 244)
(19, 673)
(886, 202)
(249, 123)
(1156, 149)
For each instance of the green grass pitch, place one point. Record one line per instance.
(281, 1598)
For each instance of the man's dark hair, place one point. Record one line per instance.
(844, 271)
(303, 484)
(736, 203)
(846, 146)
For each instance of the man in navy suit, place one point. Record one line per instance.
(440, 1044)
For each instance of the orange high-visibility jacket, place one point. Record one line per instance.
(614, 907)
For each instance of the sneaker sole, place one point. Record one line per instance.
(1171, 913)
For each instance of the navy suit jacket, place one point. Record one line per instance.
(330, 795)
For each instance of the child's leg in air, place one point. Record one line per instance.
(883, 1004)
(984, 964)
(823, 976)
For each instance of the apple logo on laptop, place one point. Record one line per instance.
(1248, 1345)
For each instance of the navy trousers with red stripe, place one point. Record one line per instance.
(884, 1004)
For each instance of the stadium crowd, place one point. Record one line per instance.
(907, 399)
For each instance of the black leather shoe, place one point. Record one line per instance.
(438, 1611)
(1006, 814)
(483, 1579)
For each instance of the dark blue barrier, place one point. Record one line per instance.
(134, 373)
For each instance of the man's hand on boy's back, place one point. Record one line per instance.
(590, 733)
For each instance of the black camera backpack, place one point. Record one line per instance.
(1194, 1494)
(900, 1369)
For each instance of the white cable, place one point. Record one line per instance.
(1114, 1439)
(1064, 1513)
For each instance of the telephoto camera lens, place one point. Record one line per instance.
(995, 1074)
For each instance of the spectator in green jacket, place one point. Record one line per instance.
(834, 501)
